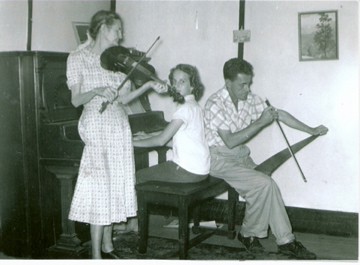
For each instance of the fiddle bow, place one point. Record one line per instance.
(288, 144)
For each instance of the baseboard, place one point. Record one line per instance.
(324, 222)
(302, 219)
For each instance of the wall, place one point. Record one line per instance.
(194, 32)
(321, 92)
(316, 92)
(59, 36)
(13, 18)
(52, 28)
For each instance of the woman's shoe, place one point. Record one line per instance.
(110, 255)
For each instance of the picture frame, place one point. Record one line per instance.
(318, 35)
(80, 30)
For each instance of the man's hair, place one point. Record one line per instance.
(194, 77)
(236, 66)
(99, 18)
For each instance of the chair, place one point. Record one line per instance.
(187, 198)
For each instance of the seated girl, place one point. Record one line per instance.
(191, 157)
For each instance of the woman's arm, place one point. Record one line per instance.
(128, 97)
(162, 138)
(78, 98)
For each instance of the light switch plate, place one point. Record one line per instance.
(241, 35)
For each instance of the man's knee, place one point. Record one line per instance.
(265, 181)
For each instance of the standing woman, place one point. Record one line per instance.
(104, 192)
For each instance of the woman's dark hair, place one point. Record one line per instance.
(99, 18)
(236, 66)
(194, 77)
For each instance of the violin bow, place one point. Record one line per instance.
(288, 144)
(106, 103)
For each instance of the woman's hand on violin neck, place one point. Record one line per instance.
(157, 86)
(107, 92)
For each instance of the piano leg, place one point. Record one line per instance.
(142, 156)
(162, 154)
(68, 245)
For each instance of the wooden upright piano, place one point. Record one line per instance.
(39, 132)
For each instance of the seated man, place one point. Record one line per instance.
(234, 115)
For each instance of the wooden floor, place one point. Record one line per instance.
(324, 246)
(327, 248)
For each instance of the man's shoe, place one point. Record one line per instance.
(252, 244)
(297, 250)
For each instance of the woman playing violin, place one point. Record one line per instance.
(105, 192)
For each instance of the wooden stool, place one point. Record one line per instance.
(184, 196)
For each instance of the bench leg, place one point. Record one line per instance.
(196, 217)
(183, 229)
(232, 199)
(143, 219)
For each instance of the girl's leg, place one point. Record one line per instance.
(107, 243)
(168, 172)
(96, 232)
(132, 224)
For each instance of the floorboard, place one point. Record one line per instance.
(326, 247)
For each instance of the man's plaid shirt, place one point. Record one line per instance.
(220, 113)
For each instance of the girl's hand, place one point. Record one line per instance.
(158, 87)
(107, 92)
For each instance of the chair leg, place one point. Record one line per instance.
(143, 219)
(196, 218)
(232, 200)
(183, 229)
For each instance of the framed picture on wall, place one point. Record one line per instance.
(318, 36)
(80, 29)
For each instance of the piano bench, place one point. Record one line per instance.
(185, 197)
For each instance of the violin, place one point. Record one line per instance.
(118, 59)
(121, 59)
